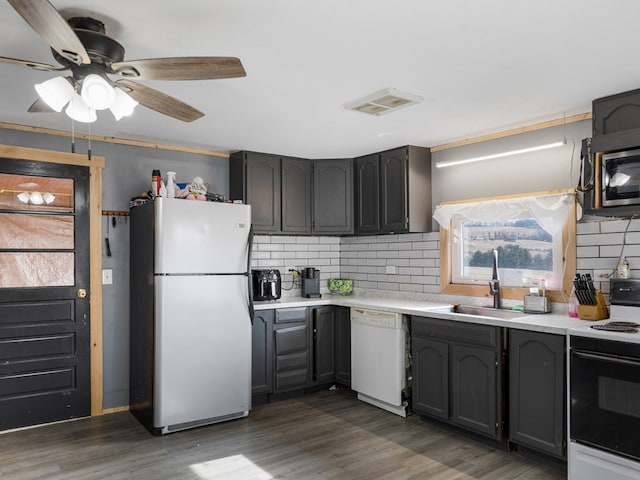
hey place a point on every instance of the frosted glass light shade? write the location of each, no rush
(49, 198)
(80, 111)
(24, 197)
(122, 105)
(96, 92)
(36, 198)
(55, 92)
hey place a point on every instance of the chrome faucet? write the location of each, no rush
(494, 284)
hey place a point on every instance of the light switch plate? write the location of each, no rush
(107, 276)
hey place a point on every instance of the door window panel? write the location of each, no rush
(24, 231)
(36, 269)
(25, 192)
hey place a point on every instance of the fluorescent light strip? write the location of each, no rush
(501, 155)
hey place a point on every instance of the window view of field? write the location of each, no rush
(523, 247)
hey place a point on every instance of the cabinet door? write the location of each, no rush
(323, 356)
(474, 389)
(333, 196)
(537, 391)
(430, 388)
(367, 170)
(291, 345)
(393, 191)
(296, 195)
(616, 113)
(263, 191)
(343, 345)
(262, 353)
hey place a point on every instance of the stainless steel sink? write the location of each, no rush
(485, 312)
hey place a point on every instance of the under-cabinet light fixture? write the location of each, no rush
(510, 153)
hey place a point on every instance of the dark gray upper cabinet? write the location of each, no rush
(537, 396)
(616, 113)
(262, 353)
(296, 195)
(333, 196)
(255, 178)
(367, 194)
(398, 191)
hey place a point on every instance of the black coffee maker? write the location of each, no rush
(311, 283)
(267, 285)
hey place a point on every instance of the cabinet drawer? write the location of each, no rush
(284, 315)
(291, 380)
(291, 339)
(460, 332)
(292, 361)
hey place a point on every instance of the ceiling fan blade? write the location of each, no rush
(39, 106)
(49, 24)
(181, 68)
(158, 101)
(26, 63)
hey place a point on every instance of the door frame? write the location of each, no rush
(95, 164)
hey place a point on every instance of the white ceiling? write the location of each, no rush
(481, 66)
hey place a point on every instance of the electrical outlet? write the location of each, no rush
(391, 269)
(107, 276)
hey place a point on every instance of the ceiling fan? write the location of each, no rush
(81, 45)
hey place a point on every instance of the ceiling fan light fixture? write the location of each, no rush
(96, 92)
(80, 111)
(55, 92)
(122, 105)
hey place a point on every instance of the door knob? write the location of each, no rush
(81, 293)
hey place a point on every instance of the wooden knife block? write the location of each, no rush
(599, 311)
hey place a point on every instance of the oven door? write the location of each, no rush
(605, 395)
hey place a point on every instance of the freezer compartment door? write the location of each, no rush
(201, 237)
(202, 349)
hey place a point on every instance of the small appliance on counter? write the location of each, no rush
(311, 283)
(267, 285)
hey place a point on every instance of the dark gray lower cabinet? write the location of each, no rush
(458, 373)
(262, 353)
(474, 402)
(291, 350)
(537, 395)
(323, 345)
(343, 345)
(431, 376)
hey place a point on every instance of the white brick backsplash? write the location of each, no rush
(588, 227)
(416, 256)
(599, 239)
(592, 251)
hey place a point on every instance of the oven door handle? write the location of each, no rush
(607, 358)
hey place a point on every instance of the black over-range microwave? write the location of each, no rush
(620, 178)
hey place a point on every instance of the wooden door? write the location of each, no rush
(333, 196)
(44, 283)
(430, 376)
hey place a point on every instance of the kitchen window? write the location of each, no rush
(534, 235)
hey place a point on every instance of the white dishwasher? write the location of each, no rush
(378, 346)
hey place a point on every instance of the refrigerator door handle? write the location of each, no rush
(249, 276)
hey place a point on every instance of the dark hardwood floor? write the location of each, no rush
(323, 435)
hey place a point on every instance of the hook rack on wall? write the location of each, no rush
(115, 213)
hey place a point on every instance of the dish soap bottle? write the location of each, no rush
(623, 268)
(573, 304)
(171, 184)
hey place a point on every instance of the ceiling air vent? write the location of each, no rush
(384, 101)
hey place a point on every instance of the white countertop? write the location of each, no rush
(546, 323)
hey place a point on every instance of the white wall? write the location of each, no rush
(551, 169)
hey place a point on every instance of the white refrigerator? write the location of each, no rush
(198, 343)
